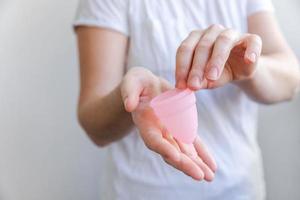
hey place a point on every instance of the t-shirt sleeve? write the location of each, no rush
(254, 6)
(111, 14)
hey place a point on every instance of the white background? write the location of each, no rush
(43, 152)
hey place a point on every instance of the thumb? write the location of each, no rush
(131, 89)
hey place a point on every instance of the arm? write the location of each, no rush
(260, 62)
(277, 77)
(100, 109)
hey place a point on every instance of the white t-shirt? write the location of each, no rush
(227, 117)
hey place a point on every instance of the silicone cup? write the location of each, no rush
(176, 109)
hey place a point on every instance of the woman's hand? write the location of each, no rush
(216, 56)
(138, 87)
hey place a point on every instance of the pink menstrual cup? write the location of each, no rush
(176, 109)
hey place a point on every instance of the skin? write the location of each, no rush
(213, 57)
(112, 102)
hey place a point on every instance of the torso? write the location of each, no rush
(227, 118)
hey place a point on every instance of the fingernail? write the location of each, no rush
(212, 74)
(195, 82)
(252, 57)
(201, 175)
(209, 176)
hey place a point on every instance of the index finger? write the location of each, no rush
(184, 58)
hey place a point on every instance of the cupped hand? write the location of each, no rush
(213, 57)
(138, 87)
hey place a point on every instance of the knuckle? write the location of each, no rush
(229, 35)
(194, 32)
(184, 48)
(205, 43)
(216, 27)
(191, 155)
(226, 37)
(196, 70)
(219, 58)
(256, 38)
(135, 72)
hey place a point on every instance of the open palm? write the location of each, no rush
(192, 159)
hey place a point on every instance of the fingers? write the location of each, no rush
(138, 80)
(184, 58)
(224, 43)
(209, 175)
(184, 164)
(204, 154)
(154, 140)
(159, 141)
(181, 156)
(187, 166)
(189, 150)
(201, 56)
(171, 155)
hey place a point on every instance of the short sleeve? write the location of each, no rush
(111, 14)
(254, 6)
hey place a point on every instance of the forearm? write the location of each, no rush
(104, 118)
(276, 79)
